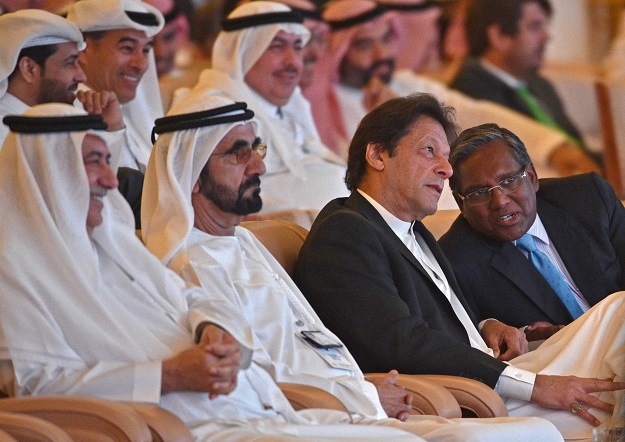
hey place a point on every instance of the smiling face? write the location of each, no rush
(414, 177)
(117, 61)
(371, 53)
(101, 177)
(276, 73)
(61, 75)
(505, 217)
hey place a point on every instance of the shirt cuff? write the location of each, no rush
(147, 382)
(480, 325)
(516, 383)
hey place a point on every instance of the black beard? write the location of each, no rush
(359, 77)
(224, 198)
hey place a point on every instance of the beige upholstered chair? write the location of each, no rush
(21, 427)
(284, 240)
(85, 418)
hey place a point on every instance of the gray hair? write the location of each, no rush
(477, 137)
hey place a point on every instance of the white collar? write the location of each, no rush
(504, 76)
(397, 225)
(537, 230)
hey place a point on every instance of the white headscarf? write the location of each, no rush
(167, 215)
(27, 28)
(54, 306)
(140, 113)
(234, 54)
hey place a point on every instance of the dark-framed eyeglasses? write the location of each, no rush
(485, 195)
(243, 154)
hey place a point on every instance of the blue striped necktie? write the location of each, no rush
(551, 273)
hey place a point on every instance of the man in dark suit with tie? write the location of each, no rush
(507, 41)
(578, 222)
(378, 279)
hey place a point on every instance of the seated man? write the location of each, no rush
(371, 256)
(258, 59)
(585, 241)
(87, 310)
(507, 42)
(359, 73)
(119, 58)
(40, 65)
(203, 178)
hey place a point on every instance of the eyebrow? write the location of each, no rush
(127, 39)
(236, 146)
(96, 154)
(498, 179)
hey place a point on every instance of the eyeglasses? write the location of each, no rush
(484, 195)
(243, 154)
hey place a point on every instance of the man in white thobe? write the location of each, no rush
(260, 62)
(38, 64)
(203, 177)
(87, 310)
(119, 58)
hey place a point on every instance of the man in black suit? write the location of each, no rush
(578, 221)
(379, 280)
(507, 41)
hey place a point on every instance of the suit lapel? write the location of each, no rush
(445, 266)
(508, 260)
(357, 202)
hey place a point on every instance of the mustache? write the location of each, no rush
(98, 191)
(290, 70)
(253, 181)
(388, 62)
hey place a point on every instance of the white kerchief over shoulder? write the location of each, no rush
(61, 314)
(103, 15)
(175, 165)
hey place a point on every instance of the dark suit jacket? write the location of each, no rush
(474, 80)
(586, 223)
(369, 289)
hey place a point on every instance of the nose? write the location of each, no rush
(498, 198)
(79, 76)
(294, 57)
(382, 51)
(140, 61)
(255, 166)
(444, 168)
(108, 178)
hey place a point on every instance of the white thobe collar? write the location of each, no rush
(508, 79)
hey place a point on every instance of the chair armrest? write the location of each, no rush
(475, 398)
(84, 418)
(306, 396)
(429, 397)
(164, 425)
(24, 427)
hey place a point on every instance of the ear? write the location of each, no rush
(458, 201)
(498, 40)
(196, 187)
(29, 70)
(374, 157)
(531, 171)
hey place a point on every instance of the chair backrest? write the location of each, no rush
(283, 239)
(611, 98)
(23, 427)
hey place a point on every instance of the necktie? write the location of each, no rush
(551, 273)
